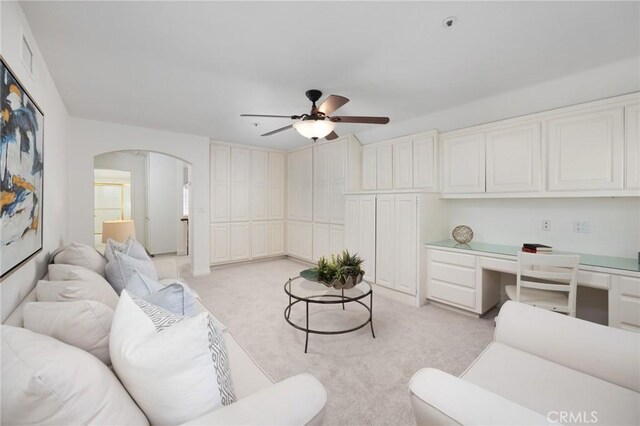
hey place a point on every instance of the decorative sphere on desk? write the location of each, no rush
(462, 234)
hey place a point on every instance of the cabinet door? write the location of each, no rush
(369, 168)
(293, 186)
(586, 151)
(259, 182)
(305, 239)
(219, 243)
(321, 204)
(403, 165)
(276, 238)
(513, 159)
(632, 145)
(220, 175)
(384, 167)
(385, 240)
(351, 223)
(259, 239)
(321, 238)
(367, 235)
(406, 262)
(424, 162)
(336, 239)
(240, 241)
(276, 186)
(463, 164)
(624, 303)
(293, 248)
(338, 152)
(240, 184)
(305, 176)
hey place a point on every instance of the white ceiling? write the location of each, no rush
(194, 67)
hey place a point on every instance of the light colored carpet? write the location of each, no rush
(366, 378)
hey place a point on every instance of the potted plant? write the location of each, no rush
(341, 272)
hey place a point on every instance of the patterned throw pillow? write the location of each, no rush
(176, 368)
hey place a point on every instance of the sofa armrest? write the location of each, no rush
(298, 400)
(166, 267)
(438, 398)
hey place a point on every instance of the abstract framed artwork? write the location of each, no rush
(21, 173)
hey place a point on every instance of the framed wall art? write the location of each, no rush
(21, 173)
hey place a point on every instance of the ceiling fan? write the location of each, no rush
(319, 123)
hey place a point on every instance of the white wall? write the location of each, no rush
(89, 138)
(136, 164)
(55, 204)
(614, 223)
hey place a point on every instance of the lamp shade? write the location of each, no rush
(314, 129)
(118, 230)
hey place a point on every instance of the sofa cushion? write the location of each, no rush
(45, 381)
(60, 271)
(122, 267)
(131, 247)
(175, 368)
(77, 289)
(548, 388)
(175, 297)
(81, 255)
(84, 324)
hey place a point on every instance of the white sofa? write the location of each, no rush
(298, 400)
(541, 368)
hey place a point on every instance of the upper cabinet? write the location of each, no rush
(403, 165)
(384, 167)
(513, 159)
(586, 150)
(463, 163)
(632, 146)
(424, 161)
(369, 167)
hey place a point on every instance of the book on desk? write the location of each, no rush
(536, 248)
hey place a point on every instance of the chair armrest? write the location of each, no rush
(166, 267)
(438, 398)
(298, 400)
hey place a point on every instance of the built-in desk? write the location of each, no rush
(464, 276)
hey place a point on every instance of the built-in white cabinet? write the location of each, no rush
(403, 164)
(624, 303)
(220, 186)
(586, 150)
(369, 167)
(321, 185)
(632, 146)
(425, 161)
(385, 240)
(240, 184)
(513, 159)
(327, 240)
(384, 167)
(360, 231)
(463, 163)
(247, 195)
(299, 185)
(300, 239)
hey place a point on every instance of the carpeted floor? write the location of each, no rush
(366, 378)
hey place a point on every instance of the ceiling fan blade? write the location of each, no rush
(332, 103)
(278, 130)
(293, 117)
(357, 119)
(331, 136)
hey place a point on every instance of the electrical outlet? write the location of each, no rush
(546, 225)
(581, 227)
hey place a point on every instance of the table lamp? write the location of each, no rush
(118, 230)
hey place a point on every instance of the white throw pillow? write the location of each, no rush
(85, 324)
(45, 381)
(82, 255)
(122, 267)
(175, 368)
(60, 271)
(131, 247)
(175, 297)
(66, 291)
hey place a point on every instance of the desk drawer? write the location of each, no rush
(594, 279)
(452, 274)
(451, 293)
(452, 258)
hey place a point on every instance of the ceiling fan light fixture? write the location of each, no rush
(314, 129)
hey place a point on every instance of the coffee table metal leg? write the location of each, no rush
(371, 315)
(343, 299)
(306, 341)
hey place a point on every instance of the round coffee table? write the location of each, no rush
(301, 290)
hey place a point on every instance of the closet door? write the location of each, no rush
(384, 167)
(305, 240)
(305, 176)
(338, 153)
(367, 235)
(406, 243)
(336, 239)
(259, 183)
(259, 239)
(240, 184)
(321, 238)
(276, 186)
(220, 175)
(276, 238)
(219, 243)
(293, 186)
(321, 205)
(351, 227)
(240, 241)
(385, 240)
(369, 167)
(403, 165)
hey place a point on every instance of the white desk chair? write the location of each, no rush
(548, 281)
